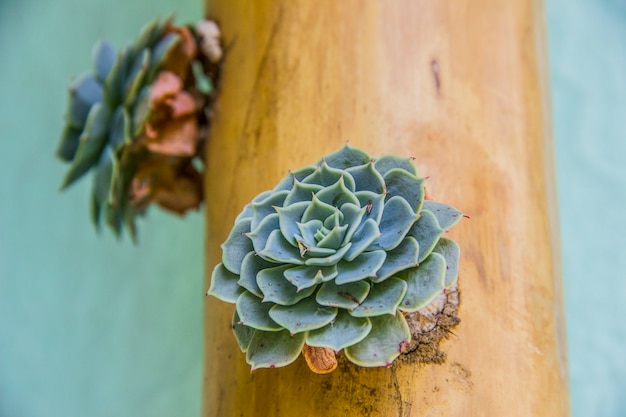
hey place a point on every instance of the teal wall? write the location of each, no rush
(89, 326)
(587, 40)
(94, 327)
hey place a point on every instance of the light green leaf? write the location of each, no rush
(261, 234)
(304, 316)
(326, 176)
(427, 232)
(373, 203)
(224, 285)
(424, 283)
(451, 251)
(266, 207)
(352, 216)
(307, 276)
(402, 257)
(388, 162)
(337, 194)
(274, 349)
(383, 298)
(363, 266)
(447, 216)
(288, 219)
(347, 296)
(277, 249)
(90, 145)
(103, 56)
(402, 184)
(68, 143)
(136, 77)
(346, 157)
(366, 178)
(243, 334)
(250, 267)
(398, 217)
(388, 338)
(254, 313)
(362, 239)
(317, 210)
(342, 332)
(288, 181)
(236, 246)
(334, 238)
(277, 289)
(301, 192)
(85, 91)
(331, 259)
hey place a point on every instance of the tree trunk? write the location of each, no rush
(459, 85)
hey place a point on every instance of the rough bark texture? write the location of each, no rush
(460, 85)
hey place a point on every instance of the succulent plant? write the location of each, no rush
(138, 119)
(333, 258)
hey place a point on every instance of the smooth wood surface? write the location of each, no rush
(459, 85)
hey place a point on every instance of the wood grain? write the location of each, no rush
(461, 86)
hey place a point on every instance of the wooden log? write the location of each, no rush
(461, 86)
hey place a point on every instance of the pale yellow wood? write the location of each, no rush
(460, 85)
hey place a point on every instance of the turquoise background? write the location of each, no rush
(94, 327)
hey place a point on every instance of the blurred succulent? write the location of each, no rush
(139, 119)
(333, 258)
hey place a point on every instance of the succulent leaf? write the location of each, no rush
(224, 285)
(424, 283)
(447, 216)
(404, 256)
(303, 316)
(307, 276)
(398, 217)
(90, 145)
(326, 176)
(102, 181)
(301, 192)
(236, 247)
(85, 91)
(346, 296)
(277, 289)
(367, 178)
(389, 162)
(347, 157)
(401, 183)
(363, 266)
(261, 234)
(383, 298)
(451, 251)
(254, 313)
(243, 334)
(384, 343)
(337, 194)
(279, 250)
(252, 264)
(68, 143)
(274, 349)
(103, 56)
(263, 208)
(427, 232)
(342, 332)
(288, 181)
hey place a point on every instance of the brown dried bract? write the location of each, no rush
(320, 360)
(171, 182)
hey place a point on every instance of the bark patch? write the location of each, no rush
(429, 327)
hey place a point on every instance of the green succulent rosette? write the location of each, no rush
(335, 256)
(137, 121)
